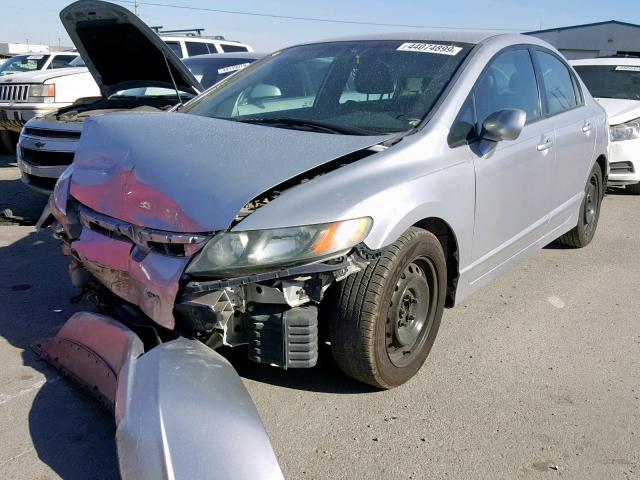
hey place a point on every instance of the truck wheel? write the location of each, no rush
(582, 234)
(384, 319)
(9, 140)
(635, 188)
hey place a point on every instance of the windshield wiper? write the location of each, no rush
(299, 124)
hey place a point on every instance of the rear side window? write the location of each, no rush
(557, 84)
(509, 82)
(175, 46)
(232, 48)
(61, 61)
(196, 48)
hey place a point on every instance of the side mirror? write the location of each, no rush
(504, 124)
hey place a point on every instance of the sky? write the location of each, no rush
(38, 21)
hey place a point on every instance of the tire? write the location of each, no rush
(582, 234)
(384, 319)
(634, 189)
(9, 140)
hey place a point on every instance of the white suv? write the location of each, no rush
(191, 45)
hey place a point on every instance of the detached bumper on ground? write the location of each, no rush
(181, 409)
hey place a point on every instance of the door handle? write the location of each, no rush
(587, 127)
(545, 146)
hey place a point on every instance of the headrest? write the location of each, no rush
(373, 76)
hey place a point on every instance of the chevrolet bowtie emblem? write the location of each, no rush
(39, 144)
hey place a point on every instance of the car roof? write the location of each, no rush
(239, 55)
(193, 38)
(461, 36)
(606, 61)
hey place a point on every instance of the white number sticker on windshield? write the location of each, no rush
(35, 57)
(627, 68)
(233, 68)
(429, 48)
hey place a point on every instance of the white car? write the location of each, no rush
(615, 84)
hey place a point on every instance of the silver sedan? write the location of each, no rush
(351, 188)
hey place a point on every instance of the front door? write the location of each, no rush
(513, 184)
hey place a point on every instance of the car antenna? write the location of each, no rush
(175, 85)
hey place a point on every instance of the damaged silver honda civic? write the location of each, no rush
(344, 191)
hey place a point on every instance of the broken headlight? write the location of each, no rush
(238, 253)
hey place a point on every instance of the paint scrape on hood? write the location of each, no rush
(186, 173)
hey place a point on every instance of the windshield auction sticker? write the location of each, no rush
(429, 48)
(628, 68)
(233, 68)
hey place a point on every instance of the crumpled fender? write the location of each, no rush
(182, 411)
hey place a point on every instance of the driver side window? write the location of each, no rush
(509, 82)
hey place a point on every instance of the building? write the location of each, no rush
(602, 39)
(10, 49)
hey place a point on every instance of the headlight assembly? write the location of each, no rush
(625, 131)
(42, 93)
(238, 253)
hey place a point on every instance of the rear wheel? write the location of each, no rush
(582, 234)
(635, 188)
(383, 320)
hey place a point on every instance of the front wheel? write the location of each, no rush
(582, 234)
(383, 320)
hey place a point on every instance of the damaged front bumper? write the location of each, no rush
(181, 410)
(274, 313)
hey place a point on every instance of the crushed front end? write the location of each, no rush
(261, 289)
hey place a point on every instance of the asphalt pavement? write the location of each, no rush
(535, 377)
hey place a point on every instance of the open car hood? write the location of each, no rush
(186, 173)
(121, 51)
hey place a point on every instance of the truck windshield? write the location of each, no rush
(23, 63)
(611, 81)
(348, 87)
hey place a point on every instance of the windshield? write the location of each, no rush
(611, 81)
(23, 63)
(168, 94)
(209, 71)
(357, 87)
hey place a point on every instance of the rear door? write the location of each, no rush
(575, 131)
(513, 183)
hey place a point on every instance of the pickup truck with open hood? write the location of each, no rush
(149, 77)
(98, 29)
